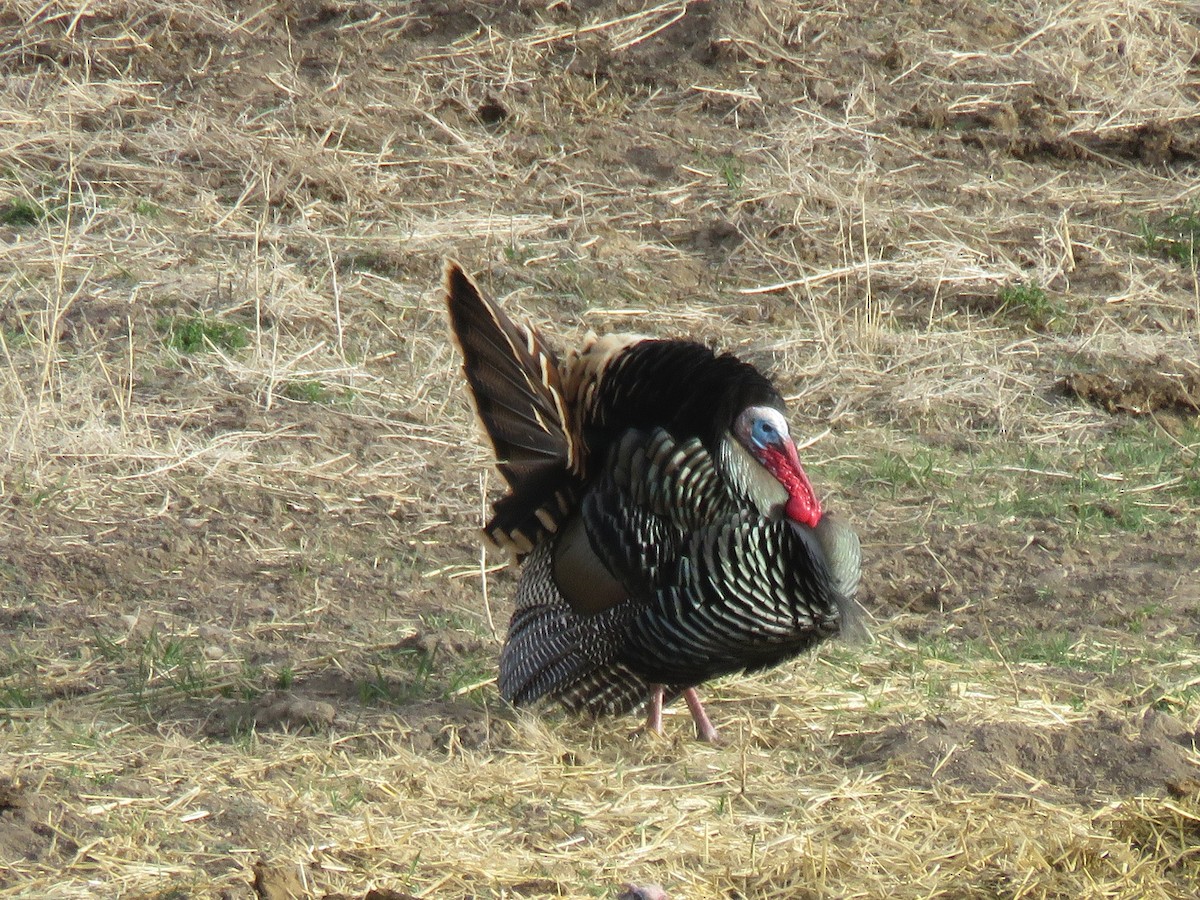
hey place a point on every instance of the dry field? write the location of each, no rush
(246, 646)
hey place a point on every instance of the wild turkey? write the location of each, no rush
(667, 530)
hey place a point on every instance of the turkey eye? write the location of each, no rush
(764, 432)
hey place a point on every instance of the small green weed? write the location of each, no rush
(470, 673)
(315, 393)
(520, 255)
(343, 801)
(1176, 237)
(414, 681)
(728, 167)
(1087, 503)
(732, 171)
(21, 213)
(250, 684)
(194, 334)
(157, 669)
(410, 674)
(12, 338)
(148, 209)
(14, 696)
(1132, 478)
(1058, 649)
(1190, 486)
(1136, 623)
(1179, 702)
(454, 621)
(286, 678)
(920, 470)
(943, 649)
(243, 735)
(52, 204)
(45, 496)
(1048, 648)
(307, 392)
(171, 665)
(377, 689)
(1030, 303)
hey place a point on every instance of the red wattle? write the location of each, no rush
(805, 510)
(803, 505)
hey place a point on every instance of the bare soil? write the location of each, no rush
(1077, 763)
(244, 645)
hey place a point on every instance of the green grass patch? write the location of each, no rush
(517, 255)
(728, 167)
(345, 800)
(51, 205)
(14, 338)
(197, 334)
(921, 470)
(732, 171)
(455, 621)
(1136, 623)
(21, 213)
(158, 670)
(1131, 478)
(407, 678)
(307, 392)
(897, 474)
(170, 664)
(1056, 649)
(1179, 702)
(958, 652)
(1032, 305)
(316, 392)
(147, 209)
(286, 678)
(410, 674)
(1175, 236)
(19, 696)
(1044, 648)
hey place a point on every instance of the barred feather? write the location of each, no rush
(750, 593)
(552, 652)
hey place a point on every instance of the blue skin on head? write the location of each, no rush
(763, 433)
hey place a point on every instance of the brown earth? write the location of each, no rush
(1076, 763)
(200, 559)
(1145, 390)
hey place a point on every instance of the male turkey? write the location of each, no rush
(667, 530)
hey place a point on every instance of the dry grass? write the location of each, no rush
(841, 191)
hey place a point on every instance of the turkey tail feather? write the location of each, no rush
(518, 396)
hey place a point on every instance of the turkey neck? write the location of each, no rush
(749, 479)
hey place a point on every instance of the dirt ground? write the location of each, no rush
(246, 649)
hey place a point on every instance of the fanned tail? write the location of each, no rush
(516, 387)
